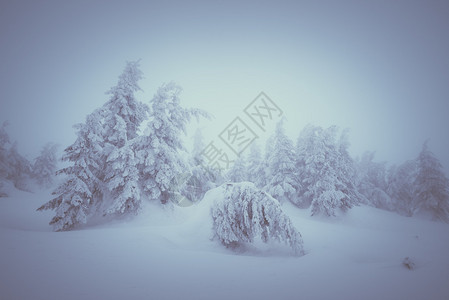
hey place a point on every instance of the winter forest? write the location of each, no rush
(128, 152)
(224, 150)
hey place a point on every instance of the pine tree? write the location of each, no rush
(401, 187)
(283, 183)
(104, 176)
(246, 213)
(255, 165)
(44, 167)
(123, 116)
(432, 186)
(80, 194)
(19, 168)
(326, 171)
(159, 150)
(203, 178)
(372, 182)
(238, 173)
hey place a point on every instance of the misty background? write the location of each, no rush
(379, 67)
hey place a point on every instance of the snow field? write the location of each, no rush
(168, 254)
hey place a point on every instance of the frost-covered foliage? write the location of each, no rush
(81, 191)
(246, 213)
(44, 167)
(124, 114)
(122, 181)
(283, 182)
(257, 167)
(19, 168)
(326, 171)
(159, 150)
(401, 187)
(103, 176)
(238, 171)
(203, 178)
(432, 186)
(114, 167)
(372, 182)
(13, 166)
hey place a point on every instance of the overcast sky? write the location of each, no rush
(380, 68)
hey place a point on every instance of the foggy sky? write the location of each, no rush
(380, 68)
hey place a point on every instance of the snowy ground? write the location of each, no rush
(168, 254)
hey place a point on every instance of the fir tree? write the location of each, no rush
(238, 173)
(326, 171)
(44, 167)
(203, 178)
(19, 168)
(159, 150)
(432, 186)
(123, 116)
(283, 184)
(372, 182)
(256, 166)
(401, 187)
(79, 195)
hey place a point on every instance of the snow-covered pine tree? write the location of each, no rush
(238, 171)
(255, 166)
(265, 175)
(246, 213)
(283, 183)
(78, 196)
(325, 171)
(432, 186)
(401, 187)
(44, 167)
(123, 116)
(347, 173)
(159, 149)
(19, 168)
(372, 182)
(202, 178)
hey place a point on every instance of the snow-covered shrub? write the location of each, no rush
(246, 213)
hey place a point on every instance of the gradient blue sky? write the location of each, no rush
(380, 68)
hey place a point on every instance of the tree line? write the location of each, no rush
(127, 152)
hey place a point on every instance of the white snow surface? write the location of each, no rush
(169, 254)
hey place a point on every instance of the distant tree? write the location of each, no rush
(202, 178)
(159, 150)
(246, 213)
(283, 183)
(432, 186)
(19, 168)
(256, 172)
(44, 167)
(326, 171)
(238, 171)
(372, 182)
(401, 187)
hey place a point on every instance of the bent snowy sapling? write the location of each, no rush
(246, 213)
